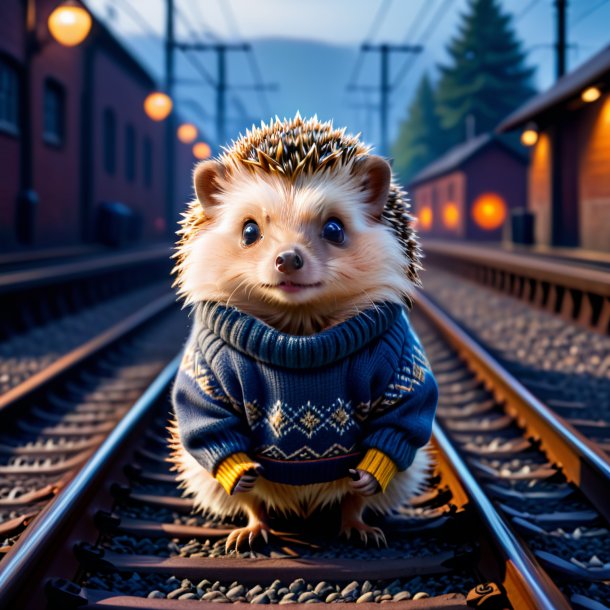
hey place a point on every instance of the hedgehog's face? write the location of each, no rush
(285, 250)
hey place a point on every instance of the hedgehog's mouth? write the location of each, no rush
(288, 286)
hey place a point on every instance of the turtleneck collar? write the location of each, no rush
(253, 337)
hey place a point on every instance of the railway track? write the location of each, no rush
(138, 545)
(578, 290)
(52, 310)
(460, 544)
(550, 483)
(516, 514)
(563, 365)
(74, 370)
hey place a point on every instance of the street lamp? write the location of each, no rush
(187, 133)
(591, 94)
(201, 150)
(158, 105)
(69, 24)
(529, 137)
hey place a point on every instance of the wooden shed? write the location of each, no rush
(569, 176)
(468, 193)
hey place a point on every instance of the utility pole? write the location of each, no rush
(561, 38)
(562, 232)
(27, 199)
(170, 124)
(221, 49)
(385, 88)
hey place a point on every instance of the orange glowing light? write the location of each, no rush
(201, 150)
(187, 133)
(158, 105)
(489, 211)
(529, 137)
(69, 24)
(425, 218)
(451, 216)
(591, 94)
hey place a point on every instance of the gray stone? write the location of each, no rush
(421, 595)
(176, 593)
(402, 596)
(297, 586)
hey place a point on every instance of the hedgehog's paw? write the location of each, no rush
(251, 532)
(367, 533)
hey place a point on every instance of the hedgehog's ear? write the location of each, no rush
(375, 175)
(208, 177)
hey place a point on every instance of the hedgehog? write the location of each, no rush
(303, 384)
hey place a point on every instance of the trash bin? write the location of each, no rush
(522, 227)
(117, 224)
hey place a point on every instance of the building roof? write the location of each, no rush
(123, 56)
(567, 87)
(461, 153)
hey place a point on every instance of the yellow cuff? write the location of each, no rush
(231, 469)
(379, 465)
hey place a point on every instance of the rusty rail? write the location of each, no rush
(582, 462)
(576, 292)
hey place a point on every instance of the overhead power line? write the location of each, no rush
(229, 16)
(526, 9)
(434, 22)
(588, 12)
(375, 25)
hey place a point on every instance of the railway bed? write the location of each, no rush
(565, 366)
(122, 536)
(538, 477)
(576, 290)
(516, 513)
(61, 424)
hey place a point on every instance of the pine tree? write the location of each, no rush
(487, 76)
(419, 140)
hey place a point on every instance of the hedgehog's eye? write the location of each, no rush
(333, 231)
(250, 234)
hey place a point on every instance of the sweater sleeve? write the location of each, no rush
(211, 426)
(401, 422)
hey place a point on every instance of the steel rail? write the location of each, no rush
(568, 275)
(527, 584)
(16, 281)
(85, 351)
(582, 462)
(36, 543)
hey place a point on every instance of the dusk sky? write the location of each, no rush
(316, 82)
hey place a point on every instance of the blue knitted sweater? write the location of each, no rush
(306, 407)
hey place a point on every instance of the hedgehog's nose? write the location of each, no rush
(289, 261)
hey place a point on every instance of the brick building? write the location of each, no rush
(569, 173)
(468, 193)
(91, 141)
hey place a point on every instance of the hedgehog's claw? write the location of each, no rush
(364, 531)
(250, 533)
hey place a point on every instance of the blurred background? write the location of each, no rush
(496, 113)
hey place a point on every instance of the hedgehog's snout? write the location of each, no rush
(289, 261)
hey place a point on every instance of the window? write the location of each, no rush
(9, 97)
(451, 191)
(109, 136)
(54, 113)
(130, 153)
(148, 161)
